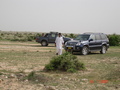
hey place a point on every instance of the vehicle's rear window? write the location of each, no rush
(103, 36)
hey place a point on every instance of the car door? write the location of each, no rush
(98, 42)
(92, 42)
(52, 37)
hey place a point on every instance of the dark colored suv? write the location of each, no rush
(50, 38)
(88, 42)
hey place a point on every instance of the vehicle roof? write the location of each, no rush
(88, 33)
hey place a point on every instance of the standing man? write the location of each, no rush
(59, 42)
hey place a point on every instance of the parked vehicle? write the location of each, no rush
(49, 38)
(88, 42)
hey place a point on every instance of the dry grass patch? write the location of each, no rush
(23, 58)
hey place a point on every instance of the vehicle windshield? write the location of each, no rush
(82, 37)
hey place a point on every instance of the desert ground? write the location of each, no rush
(18, 60)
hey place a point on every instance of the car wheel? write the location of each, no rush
(103, 50)
(85, 50)
(44, 43)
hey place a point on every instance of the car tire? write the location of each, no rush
(44, 43)
(103, 49)
(85, 50)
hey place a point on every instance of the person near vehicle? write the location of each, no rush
(59, 42)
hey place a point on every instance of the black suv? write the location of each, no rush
(88, 42)
(49, 38)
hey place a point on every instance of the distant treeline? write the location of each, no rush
(31, 36)
(114, 39)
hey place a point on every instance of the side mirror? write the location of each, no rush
(90, 40)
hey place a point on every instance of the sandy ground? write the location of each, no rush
(23, 47)
(10, 81)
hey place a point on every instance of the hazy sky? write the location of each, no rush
(66, 16)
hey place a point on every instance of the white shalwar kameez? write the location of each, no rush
(59, 42)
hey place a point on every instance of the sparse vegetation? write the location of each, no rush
(71, 35)
(24, 36)
(114, 75)
(38, 78)
(18, 36)
(26, 57)
(31, 76)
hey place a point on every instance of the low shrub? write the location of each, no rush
(31, 76)
(37, 78)
(65, 62)
(72, 35)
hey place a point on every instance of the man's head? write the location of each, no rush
(59, 35)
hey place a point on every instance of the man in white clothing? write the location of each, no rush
(59, 42)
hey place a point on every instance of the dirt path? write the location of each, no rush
(18, 46)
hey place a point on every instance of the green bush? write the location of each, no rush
(72, 35)
(30, 38)
(65, 62)
(38, 35)
(114, 40)
(31, 76)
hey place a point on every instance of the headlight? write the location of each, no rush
(78, 43)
